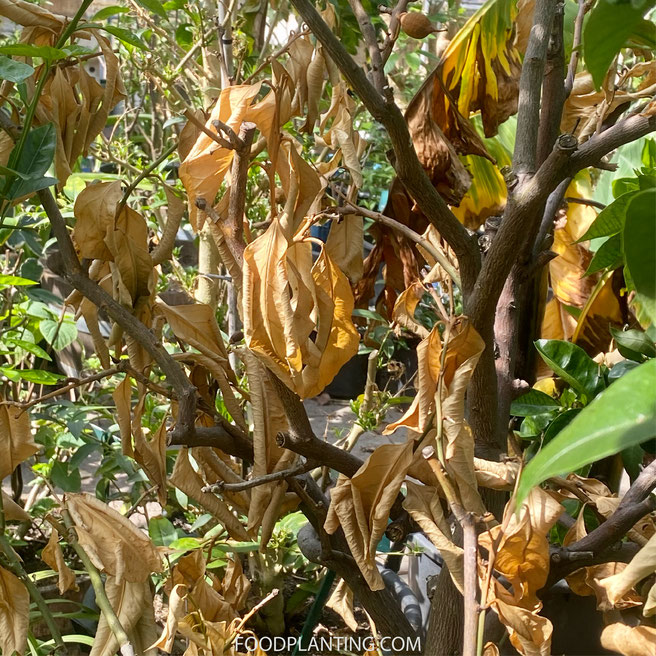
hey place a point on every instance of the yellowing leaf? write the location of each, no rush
(360, 505)
(529, 633)
(14, 512)
(52, 555)
(16, 441)
(30, 15)
(114, 544)
(405, 306)
(151, 455)
(176, 612)
(14, 613)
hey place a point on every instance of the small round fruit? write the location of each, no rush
(417, 25)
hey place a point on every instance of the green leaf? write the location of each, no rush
(106, 12)
(638, 240)
(559, 423)
(368, 314)
(154, 6)
(621, 416)
(161, 531)
(58, 336)
(608, 28)
(632, 343)
(534, 402)
(14, 281)
(31, 185)
(64, 478)
(29, 347)
(14, 71)
(125, 35)
(35, 158)
(607, 256)
(610, 220)
(25, 50)
(573, 365)
(39, 376)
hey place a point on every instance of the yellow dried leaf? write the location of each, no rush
(529, 633)
(523, 549)
(191, 572)
(186, 479)
(114, 544)
(360, 505)
(133, 604)
(16, 441)
(14, 512)
(196, 325)
(122, 396)
(344, 246)
(30, 15)
(297, 315)
(341, 601)
(423, 504)
(405, 306)
(52, 555)
(207, 163)
(235, 586)
(643, 564)
(496, 475)
(14, 613)
(629, 640)
(151, 455)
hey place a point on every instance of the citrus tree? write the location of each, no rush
(516, 243)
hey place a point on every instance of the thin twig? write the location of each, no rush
(585, 201)
(576, 45)
(261, 480)
(349, 208)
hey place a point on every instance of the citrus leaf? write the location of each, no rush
(573, 365)
(14, 71)
(621, 416)
(610, 220)
(534, 402)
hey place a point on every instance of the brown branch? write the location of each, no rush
(530, 83)
(576, 45)
(599, 543)
(394, 28)
(350, 208)
(261, 480)
(585, 201)
(369, 35)
(184, 390)
(553, 89)
(407, 164)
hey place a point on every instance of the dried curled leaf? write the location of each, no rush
(424, 506)
(341, 601)
(529, 632)
(133, 604)
(30, 15)
(629, 640)
(14, 512)
(176, 611)
(52, 555)
(297, 315)
(114, 544)
(642, 565)
(16, 441)
(360, 505)
(14, 613)
(190, 482)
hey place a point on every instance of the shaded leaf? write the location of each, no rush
(14, 613)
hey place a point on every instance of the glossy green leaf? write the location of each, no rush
(14, 71)
(31, 185)
(638, 243)
(608, 256)
(39, 376)
(126, 36)
(632, 343)
(607, 30)
(532, 403)
(610, 220)
(573, 365)
(161, 531)
(59, 336)
(34, 159)
(621, 416)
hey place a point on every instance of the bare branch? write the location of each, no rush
(407, 165)
(530, 83)
(261, 480)
(576, 45)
